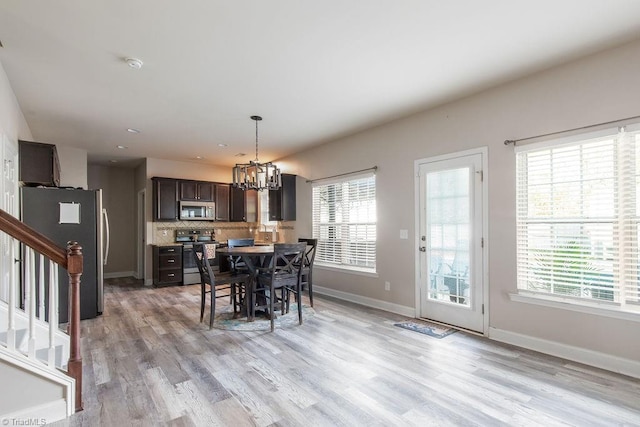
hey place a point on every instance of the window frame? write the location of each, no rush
(625, 306)
(345, 226)
(263, 220)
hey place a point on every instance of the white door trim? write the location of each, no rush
(9, 193)
(484, 151)
(140, 239)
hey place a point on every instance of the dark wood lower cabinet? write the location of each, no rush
(167, 265)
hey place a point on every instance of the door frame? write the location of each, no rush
(9, 152)
(140, 239)
(484, 152)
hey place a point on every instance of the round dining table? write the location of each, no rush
(254, 257)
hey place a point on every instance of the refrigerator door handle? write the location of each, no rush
(106, 226)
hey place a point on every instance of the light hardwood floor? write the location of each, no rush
(149, 361)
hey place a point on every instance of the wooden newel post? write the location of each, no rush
(74, 268)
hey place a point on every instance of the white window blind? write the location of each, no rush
(344, 222)
(578, 207)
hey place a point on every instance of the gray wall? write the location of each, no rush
(73, 166)
(118, 197)
(12, 121)
(593, 90)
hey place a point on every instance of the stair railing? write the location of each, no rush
(71, 260)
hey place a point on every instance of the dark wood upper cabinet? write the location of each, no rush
(165, 199)
(206, 191)
(39, 163)
(222, 202)
(197, 190)
(232, 204)
(282, 202)
(188, 190)
(244, 205)
(237, 205)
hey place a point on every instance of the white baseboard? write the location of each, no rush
(578, 354)
(119, 274)
(366, 301)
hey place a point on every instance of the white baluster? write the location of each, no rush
(53, 311)
(32, 302)
(13, 284)
(6, 243)
(41, 288)
(27, 278)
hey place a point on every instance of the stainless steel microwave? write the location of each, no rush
(197, 211)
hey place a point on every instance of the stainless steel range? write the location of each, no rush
(190, 274)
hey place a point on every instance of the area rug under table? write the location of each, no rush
(432, 329)
(224, 319)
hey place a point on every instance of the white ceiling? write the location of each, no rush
(315, 70)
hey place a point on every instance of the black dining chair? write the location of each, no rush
(234, 243)
(236, 264)
(284, 275)
(307, 265)
(236, 284)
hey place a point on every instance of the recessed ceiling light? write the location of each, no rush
(134, 63)
(241, 154)
(223, 145)
(132, 130)
(113, 161)
(198, 157)
(122, 147)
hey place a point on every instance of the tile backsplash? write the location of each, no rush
(163, 233)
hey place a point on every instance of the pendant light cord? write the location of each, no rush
(256, 141)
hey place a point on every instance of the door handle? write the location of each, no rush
(423, 249)
(107, 236)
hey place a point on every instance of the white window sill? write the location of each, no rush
(348, 270)
(599, 309)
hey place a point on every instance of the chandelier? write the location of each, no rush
(255, 175)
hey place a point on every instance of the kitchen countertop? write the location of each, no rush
(263, 243)
(219, 242)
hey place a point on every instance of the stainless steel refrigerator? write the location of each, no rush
(63, 215)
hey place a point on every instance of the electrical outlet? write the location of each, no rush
(387, 286)
(164, 232)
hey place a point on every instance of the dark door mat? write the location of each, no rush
(432, 329)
